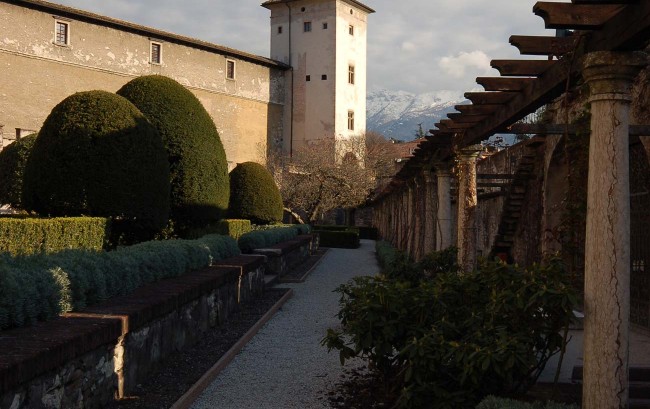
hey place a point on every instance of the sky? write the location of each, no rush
(418, 46)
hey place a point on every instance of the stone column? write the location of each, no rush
(410, 218)
(429, 244)
(607, 246)
(443, 219)
(467, 203)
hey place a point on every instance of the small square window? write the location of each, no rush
(62, 33)
(156, 53)
(350, 74)
(279, 29)
(351, 120)
(308, 78)
(306, 26)
(351, 30)
(323, 77)
(230, 69)
(324, 26)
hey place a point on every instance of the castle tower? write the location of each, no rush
(324, 41)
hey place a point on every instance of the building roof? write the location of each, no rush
(352, 2)
(76, 14)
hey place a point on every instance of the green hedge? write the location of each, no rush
(234, 228)
(368, 233)
(338, 239)
(13, 159)
(492, 402)
(23, 236)
(254, 194)
(264, 238)
(39, 287)
(334, 227)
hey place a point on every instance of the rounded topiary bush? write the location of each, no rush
(97, 155)
(12, 167)
(254, 194)
(197, 160)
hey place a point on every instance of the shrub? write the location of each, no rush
(338, 239)
(22, 236)
(254, 194)
(234, 228)
(302, 228)
(39, 287)
(492, 402)
(456, 338)
(97, 155)
(198, 167)
(12, 167)
(264, 238)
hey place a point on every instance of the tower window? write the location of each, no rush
(307, 26)
(324, 26)
(62, 33)
(230, 69)
(308, 78)
(279, 29)
(156, 53)
(323, 77)
(350, 74)
(351, 30)
(351, 120)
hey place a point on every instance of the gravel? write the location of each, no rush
(284, 365)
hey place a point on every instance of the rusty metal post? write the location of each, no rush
(607, 246)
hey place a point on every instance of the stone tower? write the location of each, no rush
(324, 41)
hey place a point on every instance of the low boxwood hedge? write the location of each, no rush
(39, 287)
(258, 239)
(339, 239)
(234, 228)
(492, 402)
(29, 235)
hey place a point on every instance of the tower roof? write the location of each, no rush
(351, 2)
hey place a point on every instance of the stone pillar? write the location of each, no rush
(607, 246)
(467, 203)
(429, 243)
(410, 218)
(443, 219)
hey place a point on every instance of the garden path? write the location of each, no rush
(284, 365)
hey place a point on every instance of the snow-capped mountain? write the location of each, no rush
(396, 114)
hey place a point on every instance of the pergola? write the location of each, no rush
(602, 44)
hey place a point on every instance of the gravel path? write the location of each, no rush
(284, 365)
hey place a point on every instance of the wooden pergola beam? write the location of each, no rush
(541, 45)
(560, 129)
(456, 125)
(523, 68)
(504, 83)
(490, 98)
(476, 109)
(460, 118)
(575, 16)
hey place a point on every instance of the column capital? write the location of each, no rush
(610, 73)
(469, 153)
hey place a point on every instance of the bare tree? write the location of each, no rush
(329, 174)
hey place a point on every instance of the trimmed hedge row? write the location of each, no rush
(13, 159)
(39, 287)
(234, 228)
(492, 402)
(264, 238)
(339, 239)
(24, 236)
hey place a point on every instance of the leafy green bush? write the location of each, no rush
(338, 239)
(254, 194)
(302, 228)
(234, 228)
(13, 159)
(97, 155)
(265, 238)
(22, 236)
(397, 264)
(39, 287)
(454, 339)
(444, 261)
(492, 402)
(198, 167)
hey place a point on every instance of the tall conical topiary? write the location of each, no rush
(254, 194)
(13, 159)
(198, 167)
(97, 155)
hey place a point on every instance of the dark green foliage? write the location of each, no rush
(39, 287)
(254, 194)
(234, 228)
(368, 233)
(22, 236)
(492, 402)
(302, 228)
(198, 167)
(265, 238)
(335, 227)
(397, 265)
(454, 339)
(338, 239)
(443, 261)
(97, 155)
(13, 159)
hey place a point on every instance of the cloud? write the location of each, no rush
(457, 66)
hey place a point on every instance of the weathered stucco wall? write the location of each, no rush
(38, 74)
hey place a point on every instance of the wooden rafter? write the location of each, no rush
(476, 109)
(540, 45)
(456, 125)
(575, 16)
(524, 68)
(490, 98)
(503, 83)
(559, 129)
(460, 118)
